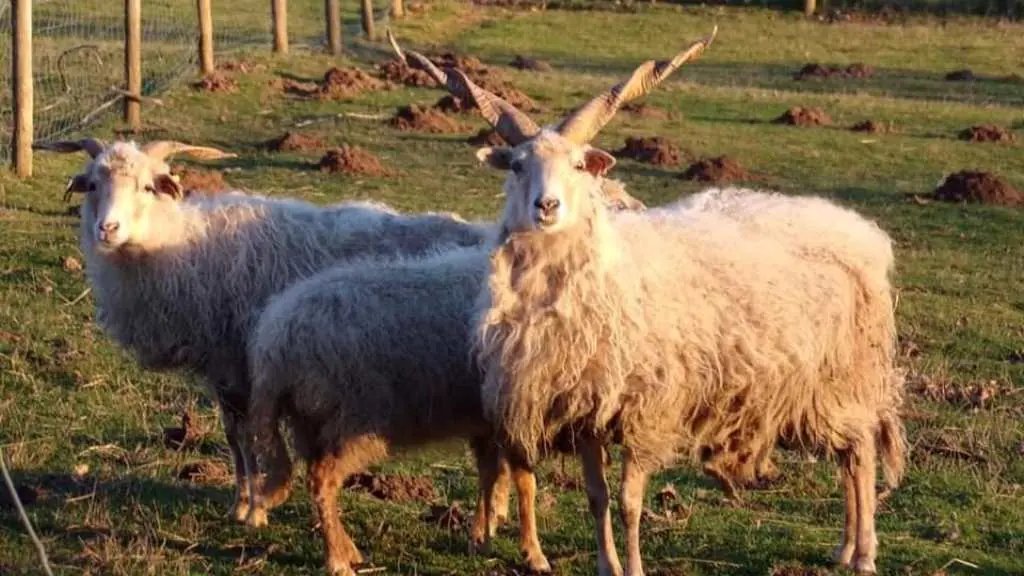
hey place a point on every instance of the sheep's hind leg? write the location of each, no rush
(529, 543)
(867, 540)
(233, 422)
(592, 456)
(843, 554)
(634, 481)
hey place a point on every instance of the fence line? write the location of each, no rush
(78, 46)
(79, 50)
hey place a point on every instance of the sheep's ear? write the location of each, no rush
(598, 162)
(78, 183)
(167, 184)
(500, 158)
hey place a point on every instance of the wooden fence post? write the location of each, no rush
(21, 70)
(205, 36)
(809, 6)
(332, 12)
(279, 13)
(397, 9)
(133, 63)
(367, 6)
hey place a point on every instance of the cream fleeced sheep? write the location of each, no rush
(180, 281)
(678, 336)
(368, 356)
(677, 332)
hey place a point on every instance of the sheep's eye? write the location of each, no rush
(581, 166)
(150, 188)
(516, 166)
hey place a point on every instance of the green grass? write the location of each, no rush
(70, 398)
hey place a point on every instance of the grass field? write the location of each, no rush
(82, 425)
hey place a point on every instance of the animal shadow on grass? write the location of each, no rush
(48, 498)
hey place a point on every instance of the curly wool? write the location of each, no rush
(191, 303)
(373, 348)
(733, 337)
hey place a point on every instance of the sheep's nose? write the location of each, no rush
(547, 204)
(110, 226)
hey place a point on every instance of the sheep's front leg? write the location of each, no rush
(634, 481)
(592, 456)
(529, 543)
(490, 469)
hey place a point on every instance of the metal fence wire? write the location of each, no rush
(78, 53)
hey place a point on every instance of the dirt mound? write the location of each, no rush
(420, 119)
(644, 110)
(872, 126)
(471, 65)
(336, 84)
(977, 187)
(217, 82)
(512, 95)
(800, 116)
(655, 150)
(987, 133)
(294, 142)
(815, 70)
(351, 160)
(964, 75)
(487, 137)
(522, 63)
(348, 82)
(399, 73)
(720, 169)
(397, 488)
(199, 180)
(205, 472)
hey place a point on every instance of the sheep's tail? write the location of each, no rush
(892, 435)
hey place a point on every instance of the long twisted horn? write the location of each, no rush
(93, 146)
(584, 123)
(161, 149)
(509, 122)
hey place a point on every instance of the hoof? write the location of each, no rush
(257, 518)
(864, 565)
(539, 564)
(239, 511)
(340, 569)
(843, 555)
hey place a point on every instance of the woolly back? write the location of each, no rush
(191, 302)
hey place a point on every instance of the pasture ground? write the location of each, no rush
(83, 427)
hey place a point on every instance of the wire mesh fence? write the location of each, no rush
(78, 53)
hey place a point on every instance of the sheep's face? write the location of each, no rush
(125, 190)
(552, 183)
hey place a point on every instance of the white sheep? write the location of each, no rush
(180, 281)
(368, 356)
(677, 332)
